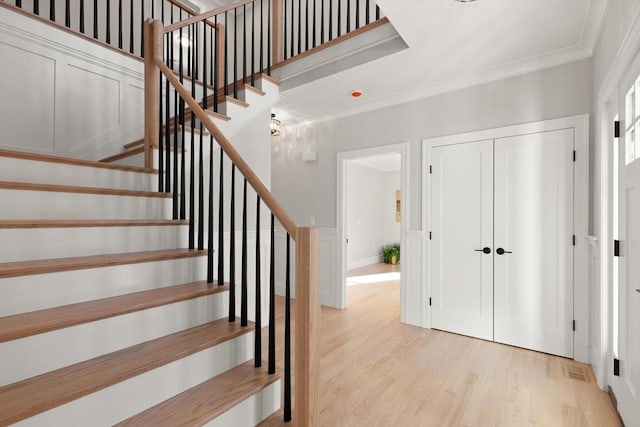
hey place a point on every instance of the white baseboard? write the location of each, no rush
(363, 262)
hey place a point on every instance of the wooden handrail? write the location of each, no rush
(228, 148)
(205, 15)
(183, 7)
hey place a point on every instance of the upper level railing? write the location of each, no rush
(288, 27)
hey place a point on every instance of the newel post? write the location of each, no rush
(307, 327)
(153, 55)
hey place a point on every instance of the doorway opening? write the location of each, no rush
(371, 221)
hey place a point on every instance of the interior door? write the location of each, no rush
(533, 241)
(462, 227)
(629, 261)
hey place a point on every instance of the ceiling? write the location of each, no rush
(453, 45)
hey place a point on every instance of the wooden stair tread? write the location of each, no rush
(207, 400)
(34, 395)
(86, 223)
(10, 185)
(232, 100)
(217, 115)
(22, 268)
(124, 154)
(196, 129)
(41, 321)
(70, 161)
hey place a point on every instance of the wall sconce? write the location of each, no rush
(275, 125)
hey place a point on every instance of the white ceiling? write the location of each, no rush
(384, 163)
(454, 45)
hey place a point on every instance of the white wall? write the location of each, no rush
(309, 189)
(365, 222)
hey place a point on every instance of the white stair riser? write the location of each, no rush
(37, 354)
(123, 400)
(21, 244)
(251, 411)
(231, 109)
(21, 204)
(22, 170)
(29, 293)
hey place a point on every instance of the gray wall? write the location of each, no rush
(309, 189)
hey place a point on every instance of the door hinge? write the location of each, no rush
(616, 367)
(574, 155)
(616, 248)
(430, 169)
(574, 325)
(616, 129)
(574, 240)
(429, 235)
(429, 301)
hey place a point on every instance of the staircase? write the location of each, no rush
(106, 318)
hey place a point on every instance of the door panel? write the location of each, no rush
(462, 219)
(534, 221)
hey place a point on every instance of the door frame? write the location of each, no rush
(341, 220)
(580, 126)
(602, 352)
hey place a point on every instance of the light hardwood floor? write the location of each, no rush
(376, 371)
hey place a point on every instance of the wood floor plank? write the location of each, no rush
(35, 395)
(70, 161)
(10, 185)
(86, 223)
(41, 321)
(207, 400)
(22, 268)
(377, 371)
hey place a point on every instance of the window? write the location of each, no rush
(632, 123)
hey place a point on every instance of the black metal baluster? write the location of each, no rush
(339, 24)
(119, 24)
(232, 247)
(189, 70)
(244, 321)
(292, 27)
(235, 56)
(244, 44)
(167, 160)
(141, 28)
(253, 41)
(52, 10)
(306, 25)
(82, 16)
(272, 301)
(257, 351)
(18, 3)
(268, 38)
(192, 169)
(108, 23)
(314, 24)
(67, 14)
(377, 12)
(330, 20)
(210, 221)
(226, 58)
(160, 142)
(153, 8)
(214, 43)
(221, 223)
(179, 122)
(201, 148)
(367, 12)
(95, 19)
(167, 135)
(322, 22)
(357, 14)
(284, 32)
(299, 27)
(348, 17)
(36, 7)
(287, 335)
(131, 26)
(262, 38)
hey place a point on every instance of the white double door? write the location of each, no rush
(502, 231)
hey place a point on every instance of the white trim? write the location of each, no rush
(363, 262)
(401, 148)
(580, 125)
(607, 95)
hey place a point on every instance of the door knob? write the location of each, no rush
(486, 250)
(501, 251)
